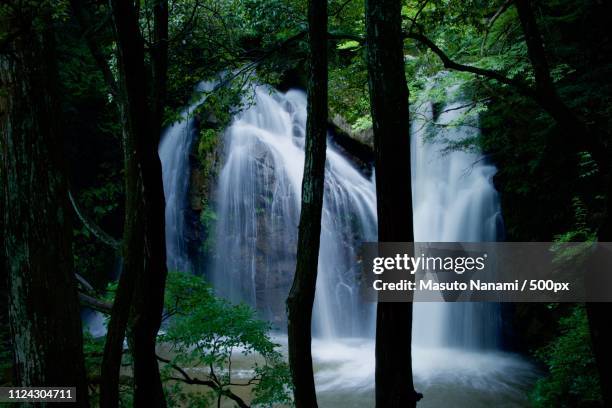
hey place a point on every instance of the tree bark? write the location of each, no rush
(301, 297)
(577, 135)
(574, 131)
(389, 106)
(159, 60)
(43, 305)
(599, 315)
(601, 338)
(140, 295)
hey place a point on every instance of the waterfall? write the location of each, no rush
(174, 150)
(257, 211)
(454, 200)
(258, 206)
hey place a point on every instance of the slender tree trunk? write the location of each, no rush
(159, 60)
(389, 105)
(43, 305)
(600, 314)
(148, 301)
(140, 294)
(301, 297)
(601, 338)
(577, 135)
(133, 254)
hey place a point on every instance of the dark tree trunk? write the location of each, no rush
(302, 294)
(577, 136)
(599, 316)
(148, 301)
(140, 296)
(133, 253)
(159, 60)
(43, 305)
(601, 338)
(389, 104)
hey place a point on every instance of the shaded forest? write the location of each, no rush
(99, 294)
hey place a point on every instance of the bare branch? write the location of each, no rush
(187, 379)
(94, 303)
(92, 227)
(88, 287)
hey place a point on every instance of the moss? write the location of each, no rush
(207, 166)
(208, 218)
(207, 145)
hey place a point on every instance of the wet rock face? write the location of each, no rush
(205, 164)
(245, 197)
(365, 137)
(358, 147)
(274, 257)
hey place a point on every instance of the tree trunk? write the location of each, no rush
(577, 136)
(159, 60)
(301, 297)
(599, 315)
(140, 293)
(389, 105)
(43, 305)
(601, 338)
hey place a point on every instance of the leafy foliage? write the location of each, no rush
(221, 347)
(572, 380)
(213, 335)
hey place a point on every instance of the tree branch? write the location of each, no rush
(345, 36)
(187, 25)
(487, 73)
(84, 282)
(340, 8)
(187, 379)
(92, 227)
(501, 10)
(94, 49)
(418, 13)
(94, 303)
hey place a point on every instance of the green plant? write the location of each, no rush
(208, 219)
(572, 376)
(206, 335)
(202, 340)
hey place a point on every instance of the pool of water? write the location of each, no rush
(344, 373)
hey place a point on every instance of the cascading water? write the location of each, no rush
(257, 211)
(174, 150)
(258, 204)
(454, 201)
